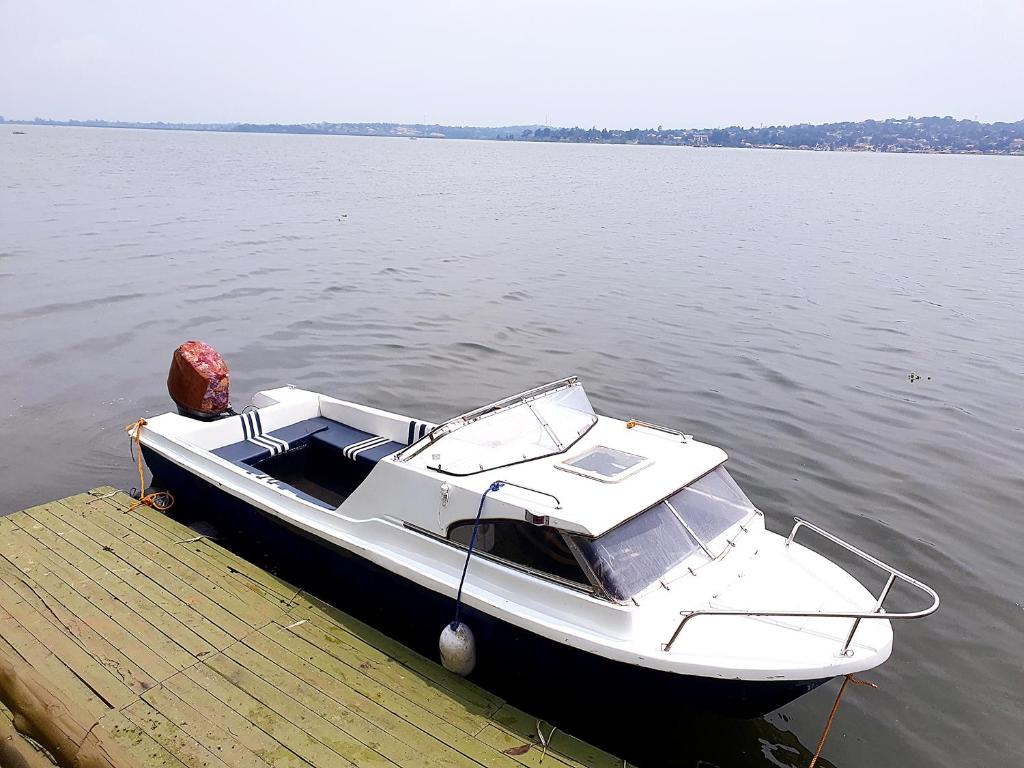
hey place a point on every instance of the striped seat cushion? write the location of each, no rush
(351, 443)
(354, 444)
(259, 445)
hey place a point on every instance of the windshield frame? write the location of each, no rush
(523, 399)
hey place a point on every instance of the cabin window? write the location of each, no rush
(536, 547)
(711, 505)
(637, 553)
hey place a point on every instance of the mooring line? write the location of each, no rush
(832, 714)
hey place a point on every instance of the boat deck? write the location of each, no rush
(182, 653)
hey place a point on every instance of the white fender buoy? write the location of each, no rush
(458, 648)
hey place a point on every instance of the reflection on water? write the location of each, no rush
(773, 303)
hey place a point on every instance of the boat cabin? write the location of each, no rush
(612, 506)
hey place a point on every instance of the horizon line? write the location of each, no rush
(658, 128)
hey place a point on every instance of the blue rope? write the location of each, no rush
(472, 542)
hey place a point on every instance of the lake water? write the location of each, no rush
(774, 303)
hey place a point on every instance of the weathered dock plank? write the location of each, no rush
(137, 742)
(123, 583)
(187, 655)
(166, 561)
(42, 641)
(100, 615)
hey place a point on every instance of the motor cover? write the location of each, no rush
(198, 381)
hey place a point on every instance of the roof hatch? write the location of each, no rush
(608, 465)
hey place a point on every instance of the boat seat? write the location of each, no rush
(245, 452)
(353, 444)
(259, 445)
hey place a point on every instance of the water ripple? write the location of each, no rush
(773, 303)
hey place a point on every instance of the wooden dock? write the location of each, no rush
(181, 653)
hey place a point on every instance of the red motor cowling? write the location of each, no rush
(198, 381)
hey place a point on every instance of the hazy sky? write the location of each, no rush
(609, 64)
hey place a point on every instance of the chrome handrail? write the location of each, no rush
(558, 503)
(858, 616)
(522, 397)
(658, 428)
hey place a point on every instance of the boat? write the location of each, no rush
(607, 551)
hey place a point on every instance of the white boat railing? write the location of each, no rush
(857, 616)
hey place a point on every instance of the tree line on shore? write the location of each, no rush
(935, 134)
(910, 134)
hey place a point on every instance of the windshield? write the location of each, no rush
(538, 423)
(632, 556)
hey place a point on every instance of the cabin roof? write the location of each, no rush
(582, 503)
(563, 465)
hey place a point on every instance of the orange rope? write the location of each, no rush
(161, 500)
(832, 714)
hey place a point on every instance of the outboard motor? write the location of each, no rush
(198, 382)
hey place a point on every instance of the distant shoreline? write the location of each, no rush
(926, 135)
